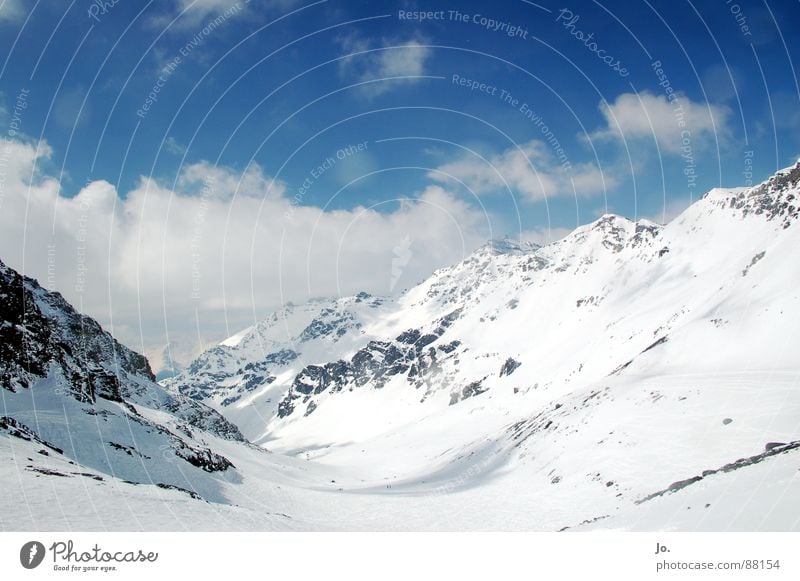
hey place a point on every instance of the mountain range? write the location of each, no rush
(628, 376)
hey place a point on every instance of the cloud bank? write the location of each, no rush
(12, 10)
(402, 61)
(218, 251)
(636, 116)
(530, 169)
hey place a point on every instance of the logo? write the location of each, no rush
(402, 256)
(31, 554)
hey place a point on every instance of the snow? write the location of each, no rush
(235, 339)
(649, 355)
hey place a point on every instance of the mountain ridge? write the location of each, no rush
(628, 376)
(375, 352)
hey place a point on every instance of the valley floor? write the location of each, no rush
(720, 449)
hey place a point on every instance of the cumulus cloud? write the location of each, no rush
(197, 12)
(172, 146)
(11, 10)
(530, 169)
(635, 116)
(206, 7)
(219, 251)
(406, 59)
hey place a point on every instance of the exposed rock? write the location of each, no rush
(509, 366)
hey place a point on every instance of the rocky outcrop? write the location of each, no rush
(41, 335)
(411, 354)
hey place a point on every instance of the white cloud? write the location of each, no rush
(11, 10)
(196, 13)
(544, 235)
(635, 116)
(218, 252)
(530, 169)
(172, 146)
(206, 7)
(396, 58)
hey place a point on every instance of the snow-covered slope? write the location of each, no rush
(628, 376)
(245, 376)
(81, 396)
(616, 316)
(711, 291)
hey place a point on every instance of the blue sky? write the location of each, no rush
(108, 64)
(532, 115)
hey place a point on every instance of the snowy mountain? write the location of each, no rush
(612, 295)
(628, 376)
(81, 397)
(245, 375)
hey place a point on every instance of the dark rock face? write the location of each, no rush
(770, 449)
(19, 430)
(205, 375)
(194, 495)
(41, 333)
(753, 262)
(20, 336)
(644, 233)
(203, 417)
(282, 357)
(614, 234)
(286, 405)
(471, 390)
(39, 329)
(412, 354)
(329, 323)
(228, 372)
(771, 199)
(315, 379)
(509, 366)
(408, 337)
(203, 458)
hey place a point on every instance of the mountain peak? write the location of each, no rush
(774, 198)
(610, 220)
